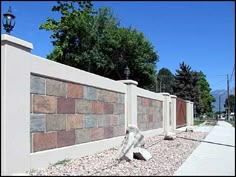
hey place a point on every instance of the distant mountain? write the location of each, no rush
(223, 95)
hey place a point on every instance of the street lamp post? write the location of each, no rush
(8, 21)
(127, 72)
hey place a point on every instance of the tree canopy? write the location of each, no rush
(193, 86)
(92, 40)
(186, 83)
(166, 81)
(231, 104)
(205, 97)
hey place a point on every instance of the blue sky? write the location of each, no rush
(202, 34)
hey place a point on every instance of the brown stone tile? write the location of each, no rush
(74, 90)
(44, 104)
(65, 138)
(97, 134)
(44, 141)
(97, 107)
(74, 121)
(108, 108)
(108, 132)
(145, 102)
(66, 105)
(150, 118)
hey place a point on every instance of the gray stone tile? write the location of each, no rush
(37, 122)
(55, 87)
(55, 122)
(90, 93)
(37, 85)
(90, 121)
(82, 135)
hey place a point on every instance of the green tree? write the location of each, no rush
(206, 98)
(186, 85)
(166, 81)
(93, 41)
(231, 103)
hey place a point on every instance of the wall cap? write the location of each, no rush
(14, 40)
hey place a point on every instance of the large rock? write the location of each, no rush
(133, 139)
(141, 153)
(189, 129)
(170, 136)
(126, 149)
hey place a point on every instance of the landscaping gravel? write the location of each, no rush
(167, 157)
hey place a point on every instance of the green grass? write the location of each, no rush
(197, 122)
(61, 162)
(232, 122)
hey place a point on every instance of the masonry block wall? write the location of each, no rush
(149, 114)
(62, 112)
(65, 114)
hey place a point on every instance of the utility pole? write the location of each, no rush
(219, 107)
(227, 97)
(160, 84)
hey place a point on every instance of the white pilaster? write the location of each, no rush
(173, 113)
(15, 107)
(192, 115)
(188, 112)
(131, 102)
(166, 112)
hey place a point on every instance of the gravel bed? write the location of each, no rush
(167, 157)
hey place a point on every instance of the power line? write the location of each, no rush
(232, 73)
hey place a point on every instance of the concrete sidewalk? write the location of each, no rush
(215, 156)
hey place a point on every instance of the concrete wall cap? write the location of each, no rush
(14, 40)
(173, 96)
(129, 82)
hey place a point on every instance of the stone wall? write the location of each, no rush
(149, 114)
(65, 114)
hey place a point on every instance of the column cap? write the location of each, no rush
(129, 82)
(187, 101)
(165, 94)
(13, 40)
(173, 96)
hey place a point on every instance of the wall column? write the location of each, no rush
(192, 116)
(131, 102)
(166, 112)
(15, 107)
(188, 113)
(173, 112)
